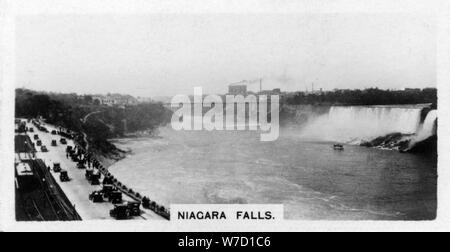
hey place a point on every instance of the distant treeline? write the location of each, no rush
(371, 96)
(69, 111)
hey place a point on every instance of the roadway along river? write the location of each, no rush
(78, 189)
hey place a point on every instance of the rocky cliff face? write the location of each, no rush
(428, 146)
(395, 141)
(423, 141)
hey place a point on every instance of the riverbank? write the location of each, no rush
(102, 159)
(111, 157)
(115, 153)
(404, 144)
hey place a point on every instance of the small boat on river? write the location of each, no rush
(338, 147)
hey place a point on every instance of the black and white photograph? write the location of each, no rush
(256, 116)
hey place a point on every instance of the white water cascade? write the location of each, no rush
(356, 124)
(428, 127)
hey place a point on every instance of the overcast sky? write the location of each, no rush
(169, 54)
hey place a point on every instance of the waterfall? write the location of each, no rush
(428, 127)
(355, 124)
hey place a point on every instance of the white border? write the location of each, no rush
(11, 8)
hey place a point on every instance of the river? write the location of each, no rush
(311, 179)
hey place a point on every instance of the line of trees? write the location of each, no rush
(373, 96)
(67, 110)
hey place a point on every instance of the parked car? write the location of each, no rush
(120, 212)
(64, 176)
(107, 190)
(134, 208)
(57, 167)
(81, 165)
(93, 176)
(115, 197)
(96, 197)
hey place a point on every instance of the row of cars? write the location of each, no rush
(109, 192)
(63, 174)
(53, 143)
(122, 210)
(40, 127)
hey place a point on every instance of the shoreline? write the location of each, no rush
(120, 154)
(114, 156)
(110, 158)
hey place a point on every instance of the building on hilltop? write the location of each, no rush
(239, 88)
(115, 100)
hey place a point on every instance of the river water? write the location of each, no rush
(313, 181)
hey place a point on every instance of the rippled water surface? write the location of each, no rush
(311, 179)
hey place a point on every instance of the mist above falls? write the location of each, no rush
(357, 124)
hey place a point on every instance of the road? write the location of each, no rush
(90, 114)
(78, 189)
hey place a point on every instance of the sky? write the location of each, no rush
(169, 54)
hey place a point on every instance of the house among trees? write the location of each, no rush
(115, 100)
